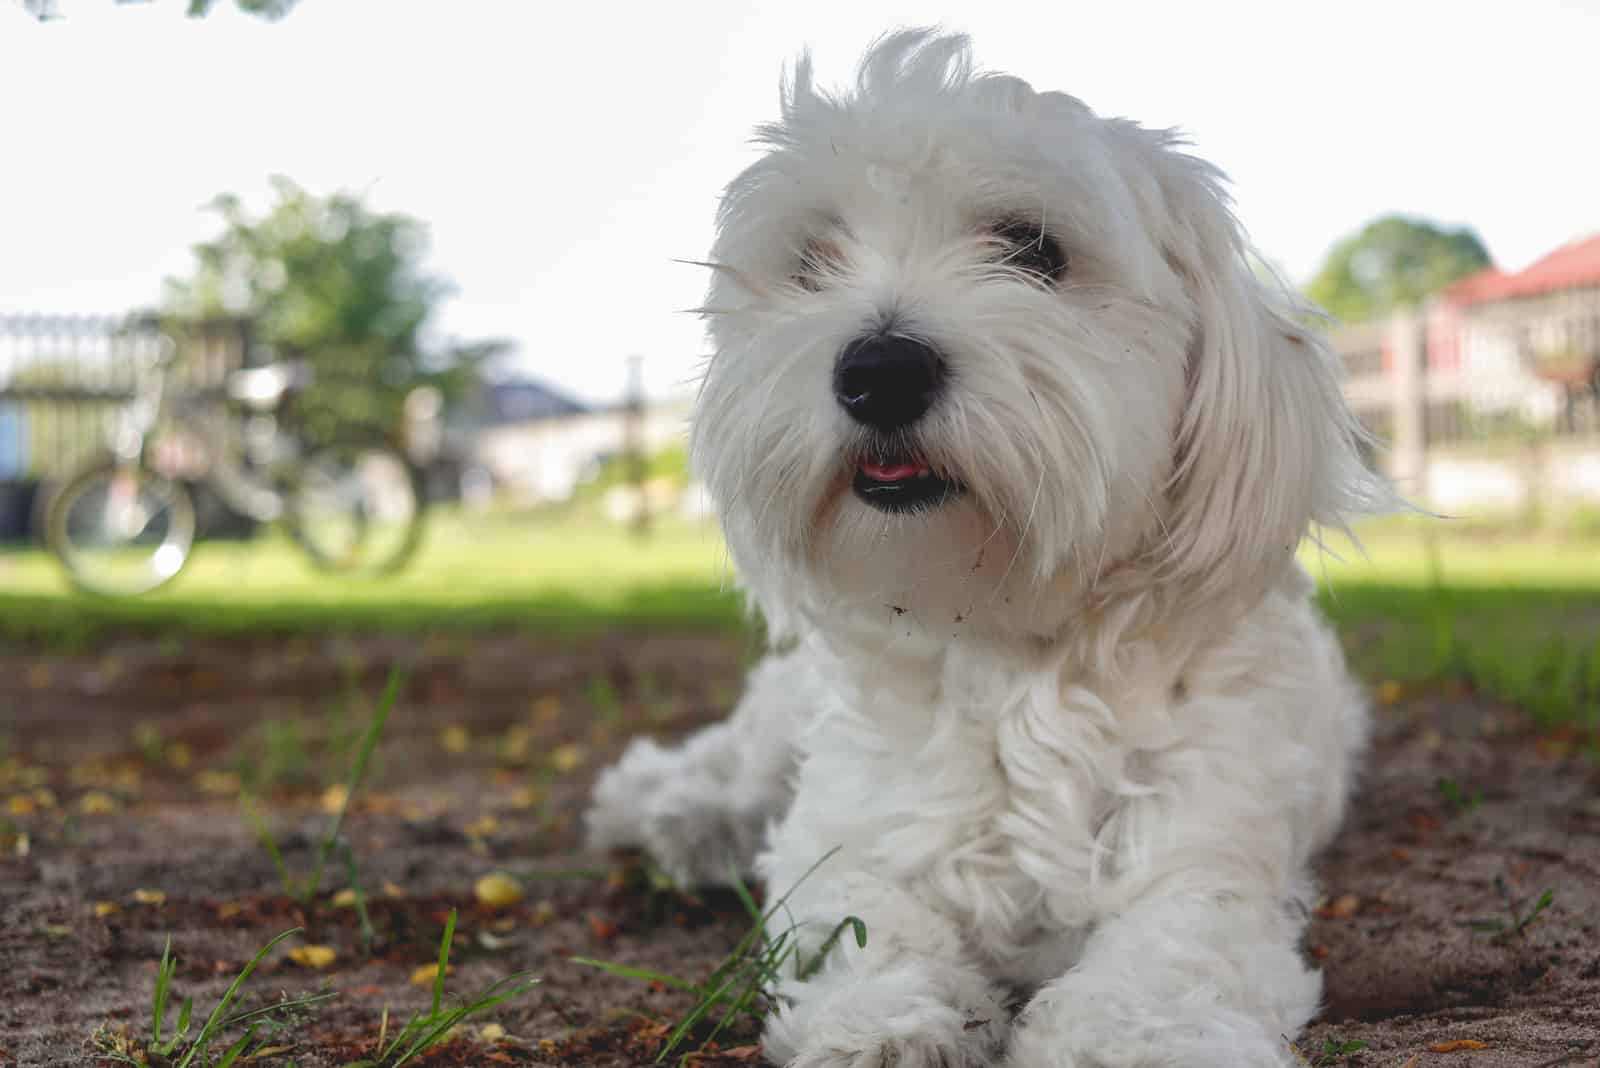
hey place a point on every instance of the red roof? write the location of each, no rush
(1571, 266)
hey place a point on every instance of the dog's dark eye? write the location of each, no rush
(1026, 247)
(818, 259)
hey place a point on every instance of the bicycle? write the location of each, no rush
(124, 523)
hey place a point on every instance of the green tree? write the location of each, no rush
(1394, 260)
(331, 281)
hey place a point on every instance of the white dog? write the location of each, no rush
(1013, 452)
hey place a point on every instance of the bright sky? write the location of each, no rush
(565, 152)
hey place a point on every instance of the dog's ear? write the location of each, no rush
(1266, 448)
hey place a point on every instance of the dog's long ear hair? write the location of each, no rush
(1266, 449)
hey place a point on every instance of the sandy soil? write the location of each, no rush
(120, 825)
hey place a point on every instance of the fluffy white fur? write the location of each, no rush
(1074, 734)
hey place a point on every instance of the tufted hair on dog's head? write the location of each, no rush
(1077, 383)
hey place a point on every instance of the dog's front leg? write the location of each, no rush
(909, 998)
(700, 810)
(1193, 961)
(1176, 982)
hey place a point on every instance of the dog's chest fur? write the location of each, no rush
(989, 786)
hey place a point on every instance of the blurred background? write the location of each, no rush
(341, 343)
(331, 314)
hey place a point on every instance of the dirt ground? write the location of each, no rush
(121, 825)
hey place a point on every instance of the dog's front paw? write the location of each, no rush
(693, 825)
(887, 1021)
(1091, 1041)
(622, 797)
(702, 841)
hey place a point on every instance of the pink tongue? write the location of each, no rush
(891, 472)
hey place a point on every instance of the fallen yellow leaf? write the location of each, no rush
(497, 889)
(547, 708)
(1389, 692)
(312, 956)
(391, 890)
(179, 755)
(425, 975)
(514, 745)
(543, 913)
(268, 1051)
(150, 897)
(95, 803)
(492, 1032)
(21, 806)
(334, 798)
(1458, 1044)
(482, 828)
(218, 782)
(523, 797)
(1340, 908)
(344, 899)
(565, 758)
(106, 908)
(455, 739)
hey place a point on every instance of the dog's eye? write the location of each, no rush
(819, 259)
(1026, 247)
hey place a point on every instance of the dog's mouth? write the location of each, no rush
(902, 483)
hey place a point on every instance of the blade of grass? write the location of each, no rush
(441, 1024)
(636, 973)
(233, 1051)
(158, 1007)
(264, 834)
(444, 960)
(369, 742)
(353, 872)
(213, 1023)
(267, 1010)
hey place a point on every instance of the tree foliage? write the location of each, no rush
(331, 281)
(1393, 261)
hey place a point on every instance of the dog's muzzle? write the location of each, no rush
(887, 383)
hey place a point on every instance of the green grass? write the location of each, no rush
(744, 984)
(1515, 615)
(555, 573)
(424, 1030)
(183, 1049)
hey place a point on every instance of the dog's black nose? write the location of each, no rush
(887, 381)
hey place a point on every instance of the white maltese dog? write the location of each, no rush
(1013, 451)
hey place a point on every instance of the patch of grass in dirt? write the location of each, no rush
(303, 892)
(180, 1048)
(184, 1047)
(742, 985)
(426, 1030)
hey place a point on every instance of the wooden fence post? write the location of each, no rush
(1410, 446)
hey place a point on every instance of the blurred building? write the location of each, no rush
(1489, 397)
(528, 443)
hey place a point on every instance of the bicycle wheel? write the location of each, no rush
(356, 508)
(120, 529)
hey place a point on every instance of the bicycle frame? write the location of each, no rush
(220, 433)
